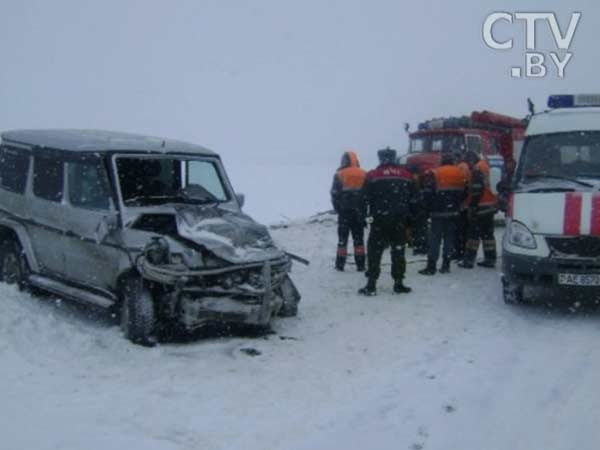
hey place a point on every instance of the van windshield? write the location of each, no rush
(572, 157)
(151, 181)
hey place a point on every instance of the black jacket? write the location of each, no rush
(390, 191)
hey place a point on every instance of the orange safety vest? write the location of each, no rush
(352, 178)
(488, 198)
(449, 178)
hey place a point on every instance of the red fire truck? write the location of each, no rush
(497, 137)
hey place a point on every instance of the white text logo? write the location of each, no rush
(537, 63)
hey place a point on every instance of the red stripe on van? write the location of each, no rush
(595, 228)
(572, 224)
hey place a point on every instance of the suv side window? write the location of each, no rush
(14, 168)
(48, 175)
(88, 185)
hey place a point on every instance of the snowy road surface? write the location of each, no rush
(447, 367)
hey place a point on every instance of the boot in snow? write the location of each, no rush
(487, 263)
(340, 259)
(465, 264)
(429, 269)
(400, 288)
(369, 290)
(445, 266)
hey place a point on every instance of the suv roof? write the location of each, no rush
(86, 141)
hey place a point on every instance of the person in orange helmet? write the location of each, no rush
(348, 202)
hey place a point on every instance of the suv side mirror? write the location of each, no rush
(107, 224)
(241, 199)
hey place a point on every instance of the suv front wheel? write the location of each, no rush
(138, 317)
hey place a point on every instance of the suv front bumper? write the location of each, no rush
(196, 312)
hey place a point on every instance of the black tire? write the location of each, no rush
(138, 316)
(13, 265)
(512, 292)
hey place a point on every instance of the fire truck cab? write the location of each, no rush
(496, 137)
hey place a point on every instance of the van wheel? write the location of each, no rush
(512, 292)
(15, 269)
(138, 318)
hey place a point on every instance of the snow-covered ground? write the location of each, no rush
(447, 367)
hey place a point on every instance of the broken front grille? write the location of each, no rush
(580, 246)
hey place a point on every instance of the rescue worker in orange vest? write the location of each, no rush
(482, 208)
(463, 221)
(445, 190)
(349, 203)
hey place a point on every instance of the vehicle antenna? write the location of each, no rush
(531, 106)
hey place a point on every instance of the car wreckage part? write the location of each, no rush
(70, 292)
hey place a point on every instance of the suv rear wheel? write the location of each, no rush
(138, 317)
(14, 268)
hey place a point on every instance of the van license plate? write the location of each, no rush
(577, 279)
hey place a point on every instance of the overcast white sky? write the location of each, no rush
(279, 88)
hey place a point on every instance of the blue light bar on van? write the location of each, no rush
(573, 101)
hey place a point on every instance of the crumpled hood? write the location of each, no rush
(232, 236)
(562, 213)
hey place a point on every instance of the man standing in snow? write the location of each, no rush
(391, 194)
(463, 222)
(445, 189)
(482, 208)
(348, 202)
(420, 225)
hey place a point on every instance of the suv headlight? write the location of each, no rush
(520, 236)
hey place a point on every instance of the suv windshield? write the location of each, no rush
(150, 181)
(437, 142)
(572, 158)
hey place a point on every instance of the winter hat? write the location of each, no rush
(387, 155)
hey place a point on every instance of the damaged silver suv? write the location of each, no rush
(150, 227)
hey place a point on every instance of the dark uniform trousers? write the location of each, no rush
(420, 232)
(443, 228)
(462, 235)
(481, 228)
(386, 232)
(351, 222)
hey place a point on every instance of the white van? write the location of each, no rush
(552, 237)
